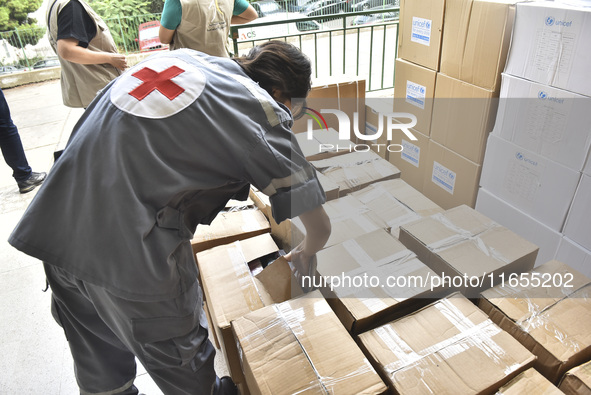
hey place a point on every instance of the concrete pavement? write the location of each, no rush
(35, 355)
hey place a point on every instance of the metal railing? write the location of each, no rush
(339, 45)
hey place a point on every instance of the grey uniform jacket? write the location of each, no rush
(158, 152)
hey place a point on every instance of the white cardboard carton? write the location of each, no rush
(524, 225)
(549, 121)
(575, 256)
(551, 45)
(578, 224)
(535, 185)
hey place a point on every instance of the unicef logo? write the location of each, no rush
(428, 25)
(422, 90)
(549, 21)
(542, 95)
(452, 176)
(519, 156)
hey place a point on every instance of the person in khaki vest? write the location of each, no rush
(86, 51)
(202, 25)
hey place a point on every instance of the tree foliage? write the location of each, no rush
(14, 14)
(123, 18)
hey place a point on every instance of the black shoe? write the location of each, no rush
(225, 386)
(30, 183)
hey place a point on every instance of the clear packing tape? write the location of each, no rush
(462, 235)
(541, 317)
(470, 335)
(380, 194)
(287, 324)
(244, 277)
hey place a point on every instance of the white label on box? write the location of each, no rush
(370, 129)
(410, 153)
(523, 178)
(421, 31)
(415, 94)
(443, 177)
(546, 117)
(554, 46)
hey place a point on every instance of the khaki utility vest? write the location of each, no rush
(81, 82)
(204, 26)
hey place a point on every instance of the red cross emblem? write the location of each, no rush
(160, 81)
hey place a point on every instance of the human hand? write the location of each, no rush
(304, 266)
(118, 61)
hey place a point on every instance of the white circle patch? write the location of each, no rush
(158, 88)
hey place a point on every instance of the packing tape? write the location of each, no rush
(462, 235)
(543, 319)
(469, 335)
(242, 272)
(290, 320)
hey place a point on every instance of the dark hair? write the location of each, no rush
(278, 65)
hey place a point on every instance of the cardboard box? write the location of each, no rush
(230, 226)
(529, 382)
(577, 257)
(421, 25)
(578, 226)
(462, 243)
(412, 158)
(231, 291)
(520, 223)
(356, 170)
(299, 346)
(463, 116)
(332, 190)
(535, 185)
(349, 218)
(282, 231)
(476, 37)
(450, 179)
(577, 381)
(550, 45)
(548, 311)
(549, 121)
(414, 90)
(448, 347)
(396, 203)
(343, 93)
(323, 144)
(373, 279)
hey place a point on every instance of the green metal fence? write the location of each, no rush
(361, 44)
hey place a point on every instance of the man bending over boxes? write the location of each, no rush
(159, 151)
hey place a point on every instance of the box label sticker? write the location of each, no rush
(415, 94)
(421, 31)
(370, 129)
(410, 153)
(523, 177)
(443, 177)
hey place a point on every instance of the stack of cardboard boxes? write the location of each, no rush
(419, 338)
(451, 54)
(535, 179)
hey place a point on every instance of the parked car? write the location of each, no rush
(319, 8)
(49, 62)
(148, 37)
(376, 18)
(295, 5)
(364, 5)
(8, 69)
(266, 8)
